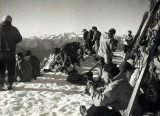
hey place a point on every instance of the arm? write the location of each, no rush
(94, 36)
(102, 99)
(100, 73)
(93, 67)
(18, 37)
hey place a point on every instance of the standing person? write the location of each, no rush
(85, 34)
(35, 63)
(96, 38)
(23, 69)
(128, 40)
(107, 44)
(89, 40)
(9, 37)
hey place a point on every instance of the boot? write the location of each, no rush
(10, 87)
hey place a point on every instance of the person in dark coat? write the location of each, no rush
(85, 34)
(89, 40)
(35, 63)
(23, 69)
(96, 38)
(9, 37)
(128, 41)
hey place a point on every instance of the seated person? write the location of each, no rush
(115, 94)
(80, 54)
(35, 63)
(105, 69)
(58, 59)
(23, 71)
(128, 67)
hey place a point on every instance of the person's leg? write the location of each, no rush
(125, 50)
(2, 69)
(11, 67)
(101, 111)
(88, 45)
(96, 46)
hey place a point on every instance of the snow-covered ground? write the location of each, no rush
(49, 95)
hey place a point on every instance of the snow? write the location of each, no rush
(49, 95)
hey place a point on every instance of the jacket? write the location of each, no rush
(96, 35)
(24, 70)
(117, 95)
(90, 35)
(9, 36)
(104, 48)
(35, 63)
(85, 34)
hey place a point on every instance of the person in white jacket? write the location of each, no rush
(107, 45)
(116, 94)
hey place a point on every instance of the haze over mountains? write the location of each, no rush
(50, 41)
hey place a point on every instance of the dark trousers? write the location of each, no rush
(127, 48)
(89, 45)
(101, 111)
(7, 62)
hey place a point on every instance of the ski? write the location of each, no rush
(148, 60)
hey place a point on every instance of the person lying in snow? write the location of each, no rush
(115, 94)
(35, 63)
(23, 69)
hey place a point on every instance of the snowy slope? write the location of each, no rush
(49, 95)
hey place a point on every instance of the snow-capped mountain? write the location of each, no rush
(50, 41)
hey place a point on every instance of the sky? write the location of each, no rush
(39, 17)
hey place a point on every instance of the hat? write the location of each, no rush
(7, 18)
(130, 31)
(94, 27)
(20, 54)
(84, 30)
(28, 52)
(112, 30)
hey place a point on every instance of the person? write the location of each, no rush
(23, 69)
(104, 69)
(96, 38)
(9, 37)
(129, 68)
(128, 40)
(71, 53)
(115, 94)
(107, 44)
(85, 34)
(58, 59)
(89, 41)
(80, 54)
(35, 63)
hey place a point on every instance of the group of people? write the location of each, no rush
(112, 92)
(64, 59)
(14, 65)
(27, 67)
(94, 41)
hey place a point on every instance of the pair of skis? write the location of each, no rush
(148, 59)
